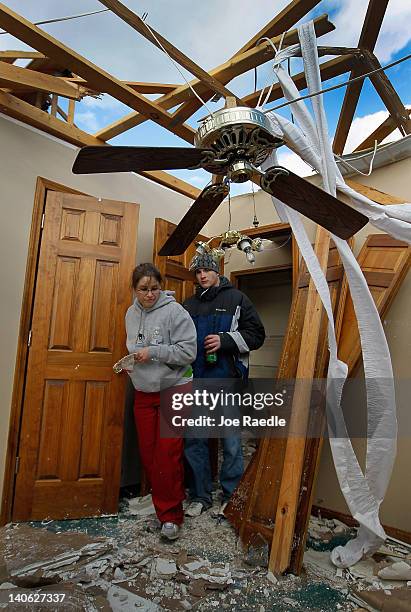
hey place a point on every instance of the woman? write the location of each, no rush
(162, 336)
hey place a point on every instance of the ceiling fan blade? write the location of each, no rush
(336, 216)
(194, 220)
(92, 160)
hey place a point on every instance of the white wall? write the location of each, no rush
(25, 154)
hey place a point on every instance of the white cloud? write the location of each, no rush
(88, 121)
(364, 126)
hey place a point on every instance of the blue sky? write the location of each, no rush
(210, 32)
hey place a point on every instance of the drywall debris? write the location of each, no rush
(400, 570)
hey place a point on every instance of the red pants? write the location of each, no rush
(162, 459)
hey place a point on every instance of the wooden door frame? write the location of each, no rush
(42, 186)
(237, 274)
(277, 230)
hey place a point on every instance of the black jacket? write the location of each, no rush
(226, 311)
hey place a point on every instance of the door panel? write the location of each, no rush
(71, 433)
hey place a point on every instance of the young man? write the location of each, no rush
(228, 328)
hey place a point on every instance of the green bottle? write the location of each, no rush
(211, 359)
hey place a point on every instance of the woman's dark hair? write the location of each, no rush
(145, 269)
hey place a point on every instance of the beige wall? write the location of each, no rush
(26, 154)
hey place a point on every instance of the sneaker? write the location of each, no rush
(195, 508)
(170, 531)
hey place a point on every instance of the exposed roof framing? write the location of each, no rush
(225, 73)
(12, 56)
(368, 38)
(56, 70)
(98, 78)
(282, 22)
(159, 41)
(13, 77)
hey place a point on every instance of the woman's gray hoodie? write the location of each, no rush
(169, 332)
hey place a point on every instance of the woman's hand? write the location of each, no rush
(212, 343)
(142, 355)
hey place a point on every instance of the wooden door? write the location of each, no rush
(71, 432)
(174, 268)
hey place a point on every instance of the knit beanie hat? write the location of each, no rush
(204, 261)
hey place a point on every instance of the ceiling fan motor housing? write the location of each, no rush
(238, 137)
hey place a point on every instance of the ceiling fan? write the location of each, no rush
(232, 143)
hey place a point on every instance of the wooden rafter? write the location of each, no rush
(381, 132)
(16, 78)
(283, 21)
(12, 56)
(162, 43)
(18, 109)
(368, 38)
(225, 73)
(144, 88)
(98, 78)
(387, 92)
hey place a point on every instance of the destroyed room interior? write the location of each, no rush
(266, 147)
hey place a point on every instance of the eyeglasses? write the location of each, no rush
(146, 291)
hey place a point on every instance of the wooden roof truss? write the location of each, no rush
(55, 71)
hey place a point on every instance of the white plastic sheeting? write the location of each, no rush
(363, 491)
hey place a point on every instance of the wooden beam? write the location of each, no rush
(387, 92)
(374, 194)
(18, 109)
(282, 22)
(26, 113)
(368, 38)
(294, 453)
(225, 73)
(162, 43)
(328, 70)
(97, 77)
(14, 78)
(144, 88)
(12, 56)
(381, 132)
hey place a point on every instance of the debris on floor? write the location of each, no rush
(120, 563)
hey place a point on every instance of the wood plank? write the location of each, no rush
(141, 87)
(294, 454)
(98, 78)
(18, 78)
(374, 194)
(224, 73)
(368, 38)
(387, 93)
(380, 133)
(283, 21)
(162, 43)
(12, 56)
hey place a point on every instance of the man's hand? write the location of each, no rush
(142, 355)
(212, 343)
